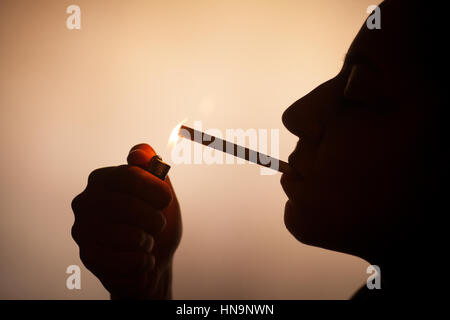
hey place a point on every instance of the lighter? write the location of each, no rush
(157, 167)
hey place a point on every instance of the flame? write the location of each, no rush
(174, 135)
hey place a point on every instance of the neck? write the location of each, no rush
(404, 269)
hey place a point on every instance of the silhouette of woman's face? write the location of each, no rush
(358, 149)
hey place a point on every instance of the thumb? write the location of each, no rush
(140, 155)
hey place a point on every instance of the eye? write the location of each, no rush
(363, 84)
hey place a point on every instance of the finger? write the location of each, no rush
(140, 155)
(131, 287)
(98, 176)
(172, 230)
(143, 146)
(137, 182)
(106, 262)
(121, 237)
(132, 180)
(100, 208)
(126, 287)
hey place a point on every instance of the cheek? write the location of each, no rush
(359, 182)
(356, 174)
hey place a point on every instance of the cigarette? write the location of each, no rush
(235, 150)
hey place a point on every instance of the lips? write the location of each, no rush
(292, 163)
(293, 156)
(290, 186)
(291, 159)
(303, 157)
(292, 183)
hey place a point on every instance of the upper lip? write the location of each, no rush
(293, 156)
(291, 159)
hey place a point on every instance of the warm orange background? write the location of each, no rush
(71, 101)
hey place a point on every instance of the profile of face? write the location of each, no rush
(359, 149)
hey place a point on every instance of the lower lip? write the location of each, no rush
(289, 184)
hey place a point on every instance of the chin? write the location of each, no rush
(296, 226)
(310, 232)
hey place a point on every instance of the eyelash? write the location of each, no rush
(359, 84)
(347, 102)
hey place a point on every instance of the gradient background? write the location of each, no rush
(75, 100)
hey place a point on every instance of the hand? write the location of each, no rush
(128, 226)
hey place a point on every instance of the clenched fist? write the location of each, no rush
(128, 226)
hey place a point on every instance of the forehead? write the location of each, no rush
(390, 48)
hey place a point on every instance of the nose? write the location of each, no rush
(303, 127)
(307, 116)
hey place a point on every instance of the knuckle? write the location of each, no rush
(141, 185)
(134, 172)
(162, 197)
(129, 170)
(150, 243)
(76, 203)
(140, 237)
(75, 233)
(147, 242)
(93, 176)
(161, 221)
(98, 175)
(167, 198)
